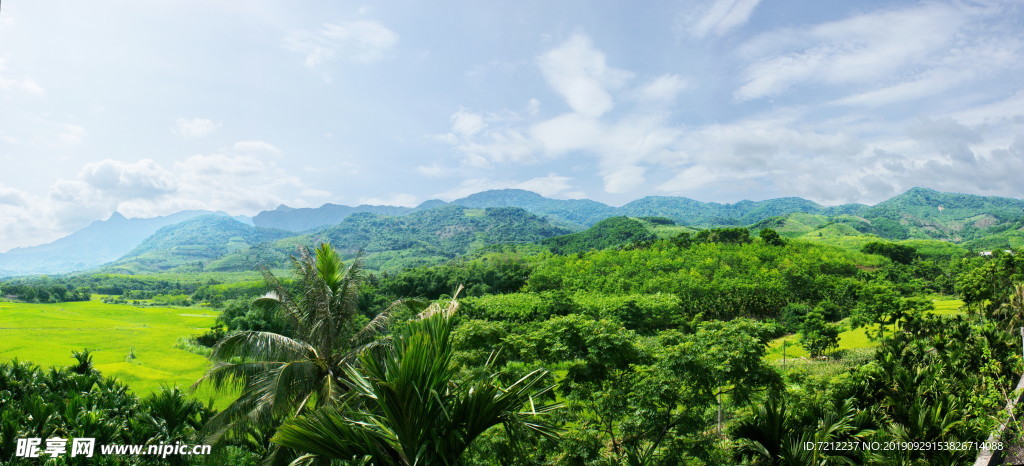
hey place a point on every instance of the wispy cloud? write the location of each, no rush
(192, 128)
(867, 48)
(22, 85)
(361, 41)
(722, 16)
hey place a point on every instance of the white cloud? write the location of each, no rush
(578, 72)
(432, 170)
(71, 134)
(483, 142)
(25, 85)
(722, 16)
(12, 197)
(361, 41)
(191, 128)
(255, 148)
(568, 132)
(663, 89)
(924, 86)
(394, 199)
(242, 180)
(533, 107)
(552, 185)
(1008, 108)
(467, 124)
(861, 49)
(143, 179)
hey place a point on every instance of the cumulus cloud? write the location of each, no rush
(191, 128)
(577, 71)
(244, 179)
(629, 126)
(142, 179)
(947, 137)
(12, 197)
(361, 41)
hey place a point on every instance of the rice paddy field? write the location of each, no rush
(853, 341)
(133, 344)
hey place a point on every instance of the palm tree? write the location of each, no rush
(405, 407)
(282, 376)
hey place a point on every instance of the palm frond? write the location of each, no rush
(261, 346)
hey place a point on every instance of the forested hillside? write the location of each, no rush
(660, 344)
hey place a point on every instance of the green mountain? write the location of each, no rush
(977, 222)
(395, 237)
(608, 233)
(99, 243)
(387, 242)
(190, 245)
(305, 219)
(690, 212)
(430, 236)
(577, 212)
(926, 213)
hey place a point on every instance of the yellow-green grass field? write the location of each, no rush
(47, 333)
(849, 340)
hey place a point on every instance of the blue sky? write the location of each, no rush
(152, 107)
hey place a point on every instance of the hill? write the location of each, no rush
(305, 219)
(189, 245)
(608, 233)
(387, 242)
(430, 236)
(435, 230)
(99, 243)
(690, 212)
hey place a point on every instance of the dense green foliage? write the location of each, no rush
(898, 253)
(42, 291)
(280, 375)
(658, 348)
(608, 233)
(78, 402)
(189, 245)
(405, 406)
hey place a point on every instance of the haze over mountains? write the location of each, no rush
(436, 230)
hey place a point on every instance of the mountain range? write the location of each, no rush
(436, 230)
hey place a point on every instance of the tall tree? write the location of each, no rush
(281, 376)
(406, 407)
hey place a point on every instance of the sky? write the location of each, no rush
(148, 108)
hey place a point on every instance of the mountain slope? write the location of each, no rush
(578, 212)
(305, 219)
(189, 245)
(608, 233)
(388, 242)
(96, 244)
(690, 212)
(432, 235)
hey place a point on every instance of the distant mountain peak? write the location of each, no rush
(116, 216)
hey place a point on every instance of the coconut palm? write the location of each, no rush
(405, 407)
(281, 376)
